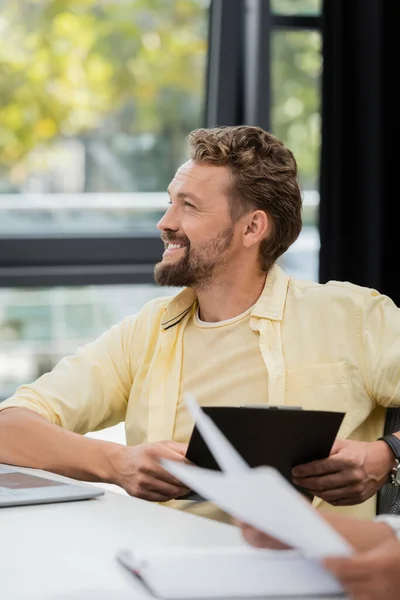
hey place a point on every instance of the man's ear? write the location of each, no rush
(256, 228)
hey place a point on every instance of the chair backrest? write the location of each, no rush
(389, 496)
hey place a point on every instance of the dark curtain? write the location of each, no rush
(359, 191)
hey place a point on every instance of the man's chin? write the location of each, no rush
(168, 275)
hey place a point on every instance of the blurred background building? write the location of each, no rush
(96, 98)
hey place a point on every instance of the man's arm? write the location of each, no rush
(41, 423)
(357, 470)
(86, 391)
(28, 440)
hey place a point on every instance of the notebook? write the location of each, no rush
(183, 573)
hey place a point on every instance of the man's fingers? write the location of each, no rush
(153, 496)
(155, 490)
(153, 469)
(344, 496)
(165, 490)
(170, 451)
(327, 482)
(162, 475)
(338, 445)
(327, 466)
(316, 468)
(176, 447)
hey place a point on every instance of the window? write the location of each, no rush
(96, 100)
(98, 96)
(40, 326)
(296, 65)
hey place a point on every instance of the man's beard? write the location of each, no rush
(197, 266)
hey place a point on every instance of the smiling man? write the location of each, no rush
(241, 331)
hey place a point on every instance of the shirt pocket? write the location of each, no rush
(319, 387)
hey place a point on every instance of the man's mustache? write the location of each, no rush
(170, 239)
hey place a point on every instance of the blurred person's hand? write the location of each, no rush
(372, 575)
(363, 535)
(352, 473)
(259, 539)
(138, 470)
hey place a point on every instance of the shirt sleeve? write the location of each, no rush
(393, 521)
(381, 349)
(87, 391)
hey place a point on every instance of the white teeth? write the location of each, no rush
(172, 246)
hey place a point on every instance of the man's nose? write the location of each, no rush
(169, 220)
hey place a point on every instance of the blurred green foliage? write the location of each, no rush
(296, 7)
(130, 75)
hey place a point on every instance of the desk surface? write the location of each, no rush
(67, 550)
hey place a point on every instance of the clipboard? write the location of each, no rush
(279, 437)
(259, 496)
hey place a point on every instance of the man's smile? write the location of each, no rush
(173, 248)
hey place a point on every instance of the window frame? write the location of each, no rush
(71, 260)
(237, 91)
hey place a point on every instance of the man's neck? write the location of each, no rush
(222, 300)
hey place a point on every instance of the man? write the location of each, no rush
(241, 331)
(373, 572)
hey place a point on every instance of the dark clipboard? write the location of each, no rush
(281, 437)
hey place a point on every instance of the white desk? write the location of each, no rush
(67, 550)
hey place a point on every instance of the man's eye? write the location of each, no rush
(188, 204)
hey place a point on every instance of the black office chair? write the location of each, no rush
(389, 496)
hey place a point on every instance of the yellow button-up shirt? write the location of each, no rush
(334, 346)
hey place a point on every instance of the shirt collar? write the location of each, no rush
(270, 304)
(178, 308)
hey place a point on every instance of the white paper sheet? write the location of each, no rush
(226, 456)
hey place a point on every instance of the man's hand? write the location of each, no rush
(370, 575)
(138, 471)
(352, 473)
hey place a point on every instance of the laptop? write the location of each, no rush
(20, 486)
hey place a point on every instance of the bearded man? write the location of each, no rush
(241, 331)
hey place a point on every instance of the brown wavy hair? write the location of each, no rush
(264, 177)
